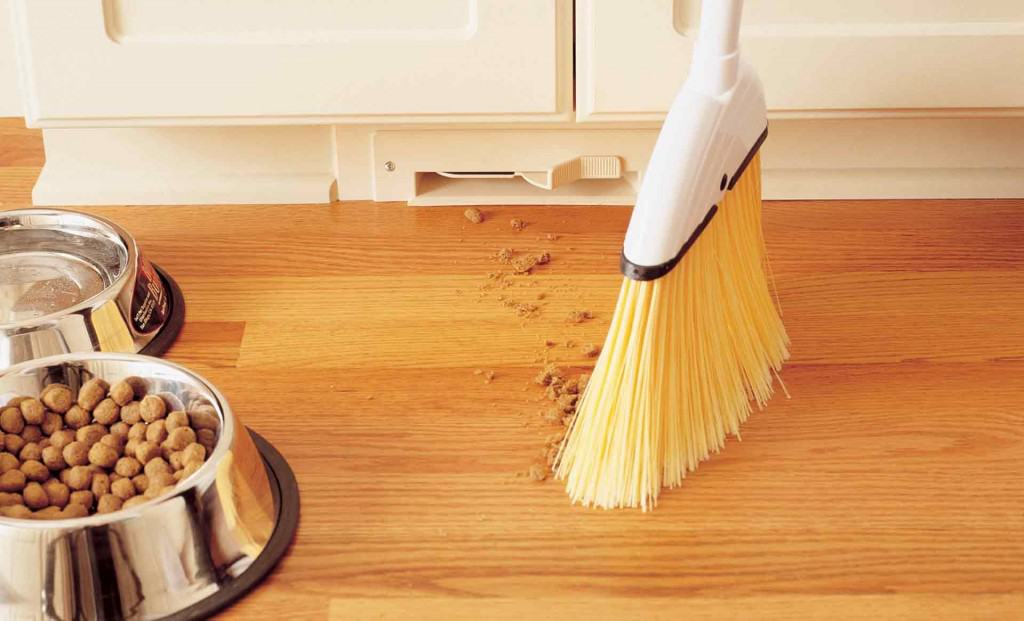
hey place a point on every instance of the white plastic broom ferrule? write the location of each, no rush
(713, 128)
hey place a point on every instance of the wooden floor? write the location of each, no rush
(890, 485)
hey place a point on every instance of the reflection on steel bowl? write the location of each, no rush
(71, 282)
(162, 557)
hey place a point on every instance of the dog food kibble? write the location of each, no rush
(131, 412)
(51, 424)
(156, 432)
(146, 452)
(175, 420)
(32, 411)
(109, 504)
(31, 450)
(474, 215)
(58, 493)
(57, 397)
(77, 417)
(153, 408)
(12, 481)
(13, 443)
(92, 393)
(11, 420)
(35, 471)
(109, 447)
(107, 412)
(8, 462)
(102, 455)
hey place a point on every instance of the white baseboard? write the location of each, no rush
(803, 159)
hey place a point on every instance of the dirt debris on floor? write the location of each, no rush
(474, 215)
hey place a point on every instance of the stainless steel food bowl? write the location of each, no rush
(71, 282)
(181, 556)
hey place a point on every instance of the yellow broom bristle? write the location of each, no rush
(685, 357)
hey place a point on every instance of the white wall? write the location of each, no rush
(10, 90)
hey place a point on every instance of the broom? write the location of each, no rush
(695, 337)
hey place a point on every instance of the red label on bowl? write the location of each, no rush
(149, 301)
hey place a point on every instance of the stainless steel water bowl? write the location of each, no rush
(163, 558)
(70, 282)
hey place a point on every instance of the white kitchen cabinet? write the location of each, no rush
(196, 62)
(817, 58)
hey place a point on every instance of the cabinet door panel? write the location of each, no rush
(816, 57)
(110, 62)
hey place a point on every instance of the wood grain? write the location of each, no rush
(887, 486)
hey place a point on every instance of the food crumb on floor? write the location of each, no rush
(538, 472)
(591, 351)
(517, 224)
(579, 316)
(474, 215)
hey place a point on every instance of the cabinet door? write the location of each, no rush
(816, 57)
(146, 62)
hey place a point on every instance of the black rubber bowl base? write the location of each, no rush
(286, 498)
(175, 320)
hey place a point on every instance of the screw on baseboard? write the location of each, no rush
(389, 166)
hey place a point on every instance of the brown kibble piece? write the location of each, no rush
(12, 481)
(62, 438)
(175, 460)
(82, 497)
(175, 420)
(190, 468)
(134, 502)
(128, 467)
(146, 452)
(90, 434)
(517, 224)
(12, 421)
(10, 499)
(156, 466)
(35, 497)
(131, 412)
(591, 350)
(156, 432)
(48, 513)
(107, 412)
(8, 462)
(474, 215)
(122, 392)
(153, 408)
(73, 511)
(52, 423)
(115, 442)
(100, 485)
(193, 453)
(13, 443)
(31, 450)
(32, 433)
(77, 417)
(204, 418)
(35, 471)
(110, 503)
(138, 431)
(57, 397)
(141, 483)
(102, 455)
(180, 438)
(58, 493)
(538, 472)
(123, 489)
(208, 438)
(20, 512)
(130, 446)
(32, 411)
(92, 393)
(79, 478)
(120, 429)
(76, 454)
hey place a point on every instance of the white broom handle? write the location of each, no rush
(716, 53)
